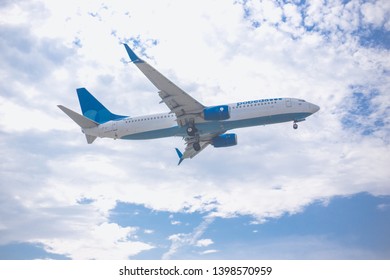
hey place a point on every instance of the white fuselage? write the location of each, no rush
(242, 114)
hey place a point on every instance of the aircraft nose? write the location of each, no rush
(314, 108)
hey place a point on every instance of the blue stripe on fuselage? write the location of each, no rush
(212, 127)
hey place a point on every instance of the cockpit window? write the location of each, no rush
(301, 100)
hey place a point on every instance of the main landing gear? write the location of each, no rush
(191, 129)
(295, 125)
(196, 146)
(192, 132)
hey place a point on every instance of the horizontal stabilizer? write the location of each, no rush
(90, 138)
(82, 121)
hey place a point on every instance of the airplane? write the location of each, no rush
(199, 125)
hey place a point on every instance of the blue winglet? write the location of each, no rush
(134, 58)
(180, 155)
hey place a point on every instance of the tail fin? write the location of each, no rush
(93, 109)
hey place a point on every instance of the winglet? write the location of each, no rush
(180, 155)
(134, 58)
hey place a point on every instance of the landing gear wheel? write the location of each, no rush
(191, 130)
(295, 125)
(196, 146)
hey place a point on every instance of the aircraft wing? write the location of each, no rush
(177, 100)
(190, 152)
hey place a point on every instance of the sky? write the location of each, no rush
(319, 192)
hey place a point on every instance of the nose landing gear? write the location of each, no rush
(295, 125)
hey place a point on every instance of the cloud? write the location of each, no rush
(181, 241)
(27, 57)
(204, 242)
(308, 247)
(265, 49)
(383, 207)
(105, 241)
(377, 13)
(208, 252)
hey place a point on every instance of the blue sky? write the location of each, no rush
(321, 192)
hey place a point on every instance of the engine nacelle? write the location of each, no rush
(216, 113)
(224, 140)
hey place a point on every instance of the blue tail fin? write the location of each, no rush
(93, 109)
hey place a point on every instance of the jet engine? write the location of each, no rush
(224, 140)
(216, 113)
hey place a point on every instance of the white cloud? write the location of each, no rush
(292, 14)
(17, 118)
(207, 252)
(377, 13)
(182, 240)
(204, 242)
(266, 10)
(383, 207)
(48, 163)
(104, 241)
